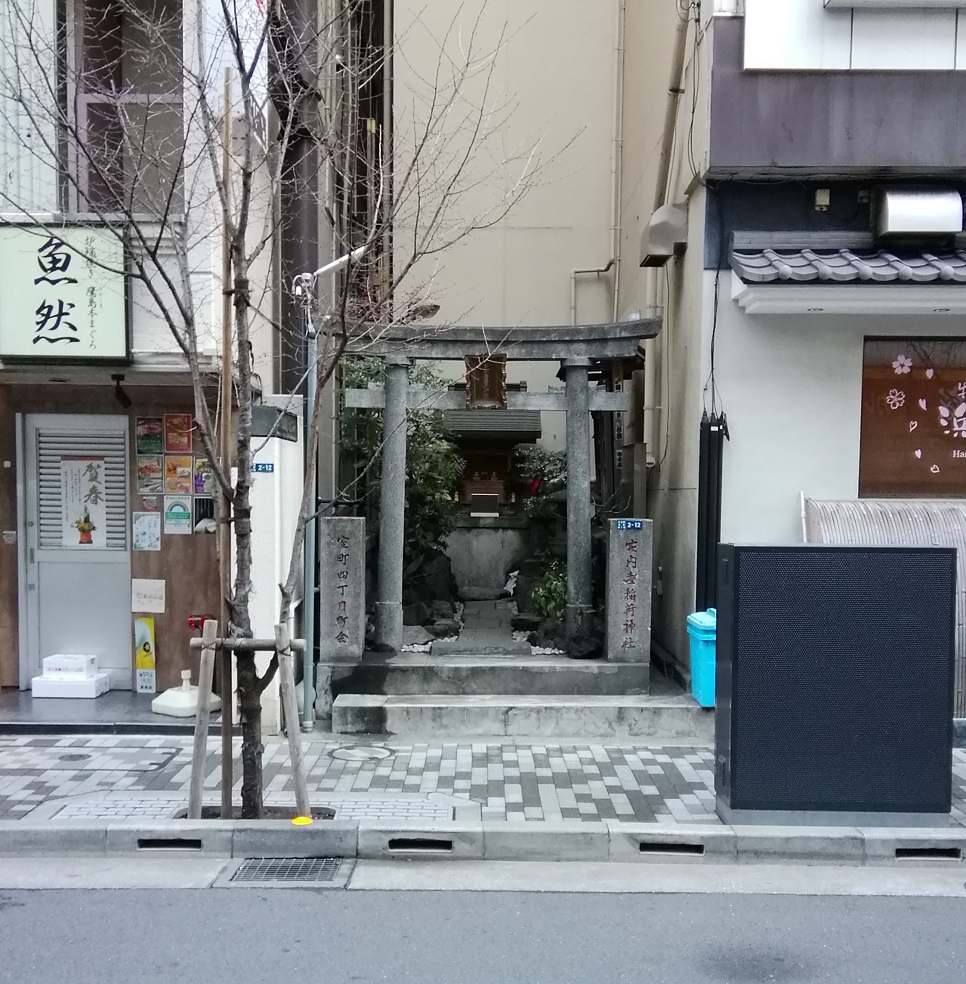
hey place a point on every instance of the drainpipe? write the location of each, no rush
(388, 48)
(674, 93)
(616, 175)
(652, 383)
(617, 171)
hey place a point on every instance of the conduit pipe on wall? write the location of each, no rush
(617, 165)
(616, 175)
(652, 385)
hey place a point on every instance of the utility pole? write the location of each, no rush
(303, 288)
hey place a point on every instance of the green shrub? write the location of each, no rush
(550, 592)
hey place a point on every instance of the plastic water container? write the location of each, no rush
(703, 630)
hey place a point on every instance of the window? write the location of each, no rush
(913, 438)
(127, 103)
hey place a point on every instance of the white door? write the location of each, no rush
(76, 586)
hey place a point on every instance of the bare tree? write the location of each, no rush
(170, 126)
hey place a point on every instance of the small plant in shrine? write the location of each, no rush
(549, 597)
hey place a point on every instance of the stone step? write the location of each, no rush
(528, 715)
(419, 673)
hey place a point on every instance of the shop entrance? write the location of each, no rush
(75, 565)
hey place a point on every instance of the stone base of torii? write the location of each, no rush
(576, 348)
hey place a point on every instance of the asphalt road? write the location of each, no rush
(340, 937)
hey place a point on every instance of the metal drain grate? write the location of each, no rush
(288, 870)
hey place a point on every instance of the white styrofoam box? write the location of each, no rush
(84, 687)
(70, 666)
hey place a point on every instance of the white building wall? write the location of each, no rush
(792, 388)
(552, 93)
(806, 34)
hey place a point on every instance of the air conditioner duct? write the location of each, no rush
(665, 235)
(918, 212)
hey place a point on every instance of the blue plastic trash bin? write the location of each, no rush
(703, 630)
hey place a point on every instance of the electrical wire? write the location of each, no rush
(666, 360)
(695, 8)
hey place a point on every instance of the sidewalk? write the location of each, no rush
(113, 778)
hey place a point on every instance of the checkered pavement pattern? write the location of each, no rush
(508, 780)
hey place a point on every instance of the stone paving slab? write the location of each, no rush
(504, 780)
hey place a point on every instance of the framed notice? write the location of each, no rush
(177, 514)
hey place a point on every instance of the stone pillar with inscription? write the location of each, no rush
(628, 626)
(342, 588)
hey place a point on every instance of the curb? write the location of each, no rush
(488, 841)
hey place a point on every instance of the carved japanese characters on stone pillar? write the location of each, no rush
(629, 590)
(342, 579)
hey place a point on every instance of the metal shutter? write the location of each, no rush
(52, 445)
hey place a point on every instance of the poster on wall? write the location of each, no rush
(149, 435)
(177, 433)
(147, 595)
(146, 534)
(150, 474)
(177, 474)
(144, 656)
(177, 514)
(204, 480)
(83, 502)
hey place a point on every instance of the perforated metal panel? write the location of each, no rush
(835, 676)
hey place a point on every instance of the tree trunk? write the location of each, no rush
(250, 711)
(249, 691)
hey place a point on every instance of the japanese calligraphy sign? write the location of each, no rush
(83, 499)
(629, 590)
(342, 580)
(62, 296)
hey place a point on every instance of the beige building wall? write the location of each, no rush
(526, 92)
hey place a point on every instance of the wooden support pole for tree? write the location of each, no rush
(209, 634)
(224, 530)
(286, 680)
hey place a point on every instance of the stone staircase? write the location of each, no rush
(484, 685)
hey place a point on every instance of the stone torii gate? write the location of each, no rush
(576, 347)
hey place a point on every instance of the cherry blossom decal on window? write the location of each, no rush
(902, 365)
(896, 399)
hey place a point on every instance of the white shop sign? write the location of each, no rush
(62, 295)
